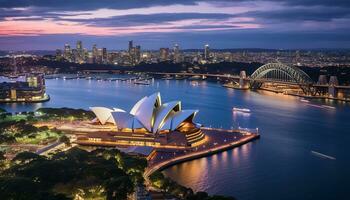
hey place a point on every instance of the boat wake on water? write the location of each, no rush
(323, 155)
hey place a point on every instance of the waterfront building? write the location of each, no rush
(31, 90)
(150, 117)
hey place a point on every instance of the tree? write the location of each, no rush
(2, 156)
(218, 197)
(119, 188)
(64, 139)
(26, 157)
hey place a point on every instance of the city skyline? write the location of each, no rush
(39, 25)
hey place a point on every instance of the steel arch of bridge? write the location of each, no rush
(290, 74)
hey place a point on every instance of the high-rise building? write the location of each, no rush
(75, 55)
(89, 57)
(164, 54)
(130, 46)
(137, 54)
(80, 52)
(67, 52)
(104, 56)
(131, 51)
(85, 55)
(94, 53)
(177, 56)
(206, 52)
(79, 46)
(99, 56)
(58, 54)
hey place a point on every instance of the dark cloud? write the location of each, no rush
(134, 20)
(40, 14)
(222, 39)
(330, 3)
(302, 14)
(274, 36)
(75, 5)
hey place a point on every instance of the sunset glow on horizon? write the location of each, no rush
(265, 22)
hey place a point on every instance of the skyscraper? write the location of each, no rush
(206, 52)
(99, 56)
(164, 54)
(67, 52)
(177, 54)
(79, 46)
(130, 46)
(104, 56)
(80, 55)
(137, 54)
(58, 54)
(94, 53)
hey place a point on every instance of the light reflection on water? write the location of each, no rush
(279, 163)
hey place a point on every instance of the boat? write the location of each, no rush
(141, 82)
(12, 77)
(178, 77)
(167, 77)
(194, 83)
(195, 77)
(304, 100)
(243, 110)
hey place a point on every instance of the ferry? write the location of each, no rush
(194, 83)
(141, 82)
(243, 110)
(167, 77)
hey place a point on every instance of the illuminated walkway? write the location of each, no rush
(218, 140)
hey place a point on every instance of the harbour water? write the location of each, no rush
(278, 166)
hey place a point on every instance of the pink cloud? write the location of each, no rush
(45, 27)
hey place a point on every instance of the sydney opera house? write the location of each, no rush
(151, 123)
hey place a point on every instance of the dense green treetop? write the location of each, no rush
(91, 175)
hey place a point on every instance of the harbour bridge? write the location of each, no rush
(278, 73)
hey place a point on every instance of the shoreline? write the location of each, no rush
(304, 96)
(166, 164)
(25, 101)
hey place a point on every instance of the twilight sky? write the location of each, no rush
(48, 24)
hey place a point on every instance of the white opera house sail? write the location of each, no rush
(149, 114)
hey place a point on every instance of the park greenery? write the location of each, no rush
(76, 173)
(20, 131)
(64, 114)
(73, 174)
(20, 128)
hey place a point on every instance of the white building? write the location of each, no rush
(148, 114)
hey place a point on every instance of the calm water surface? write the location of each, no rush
(278, 166)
